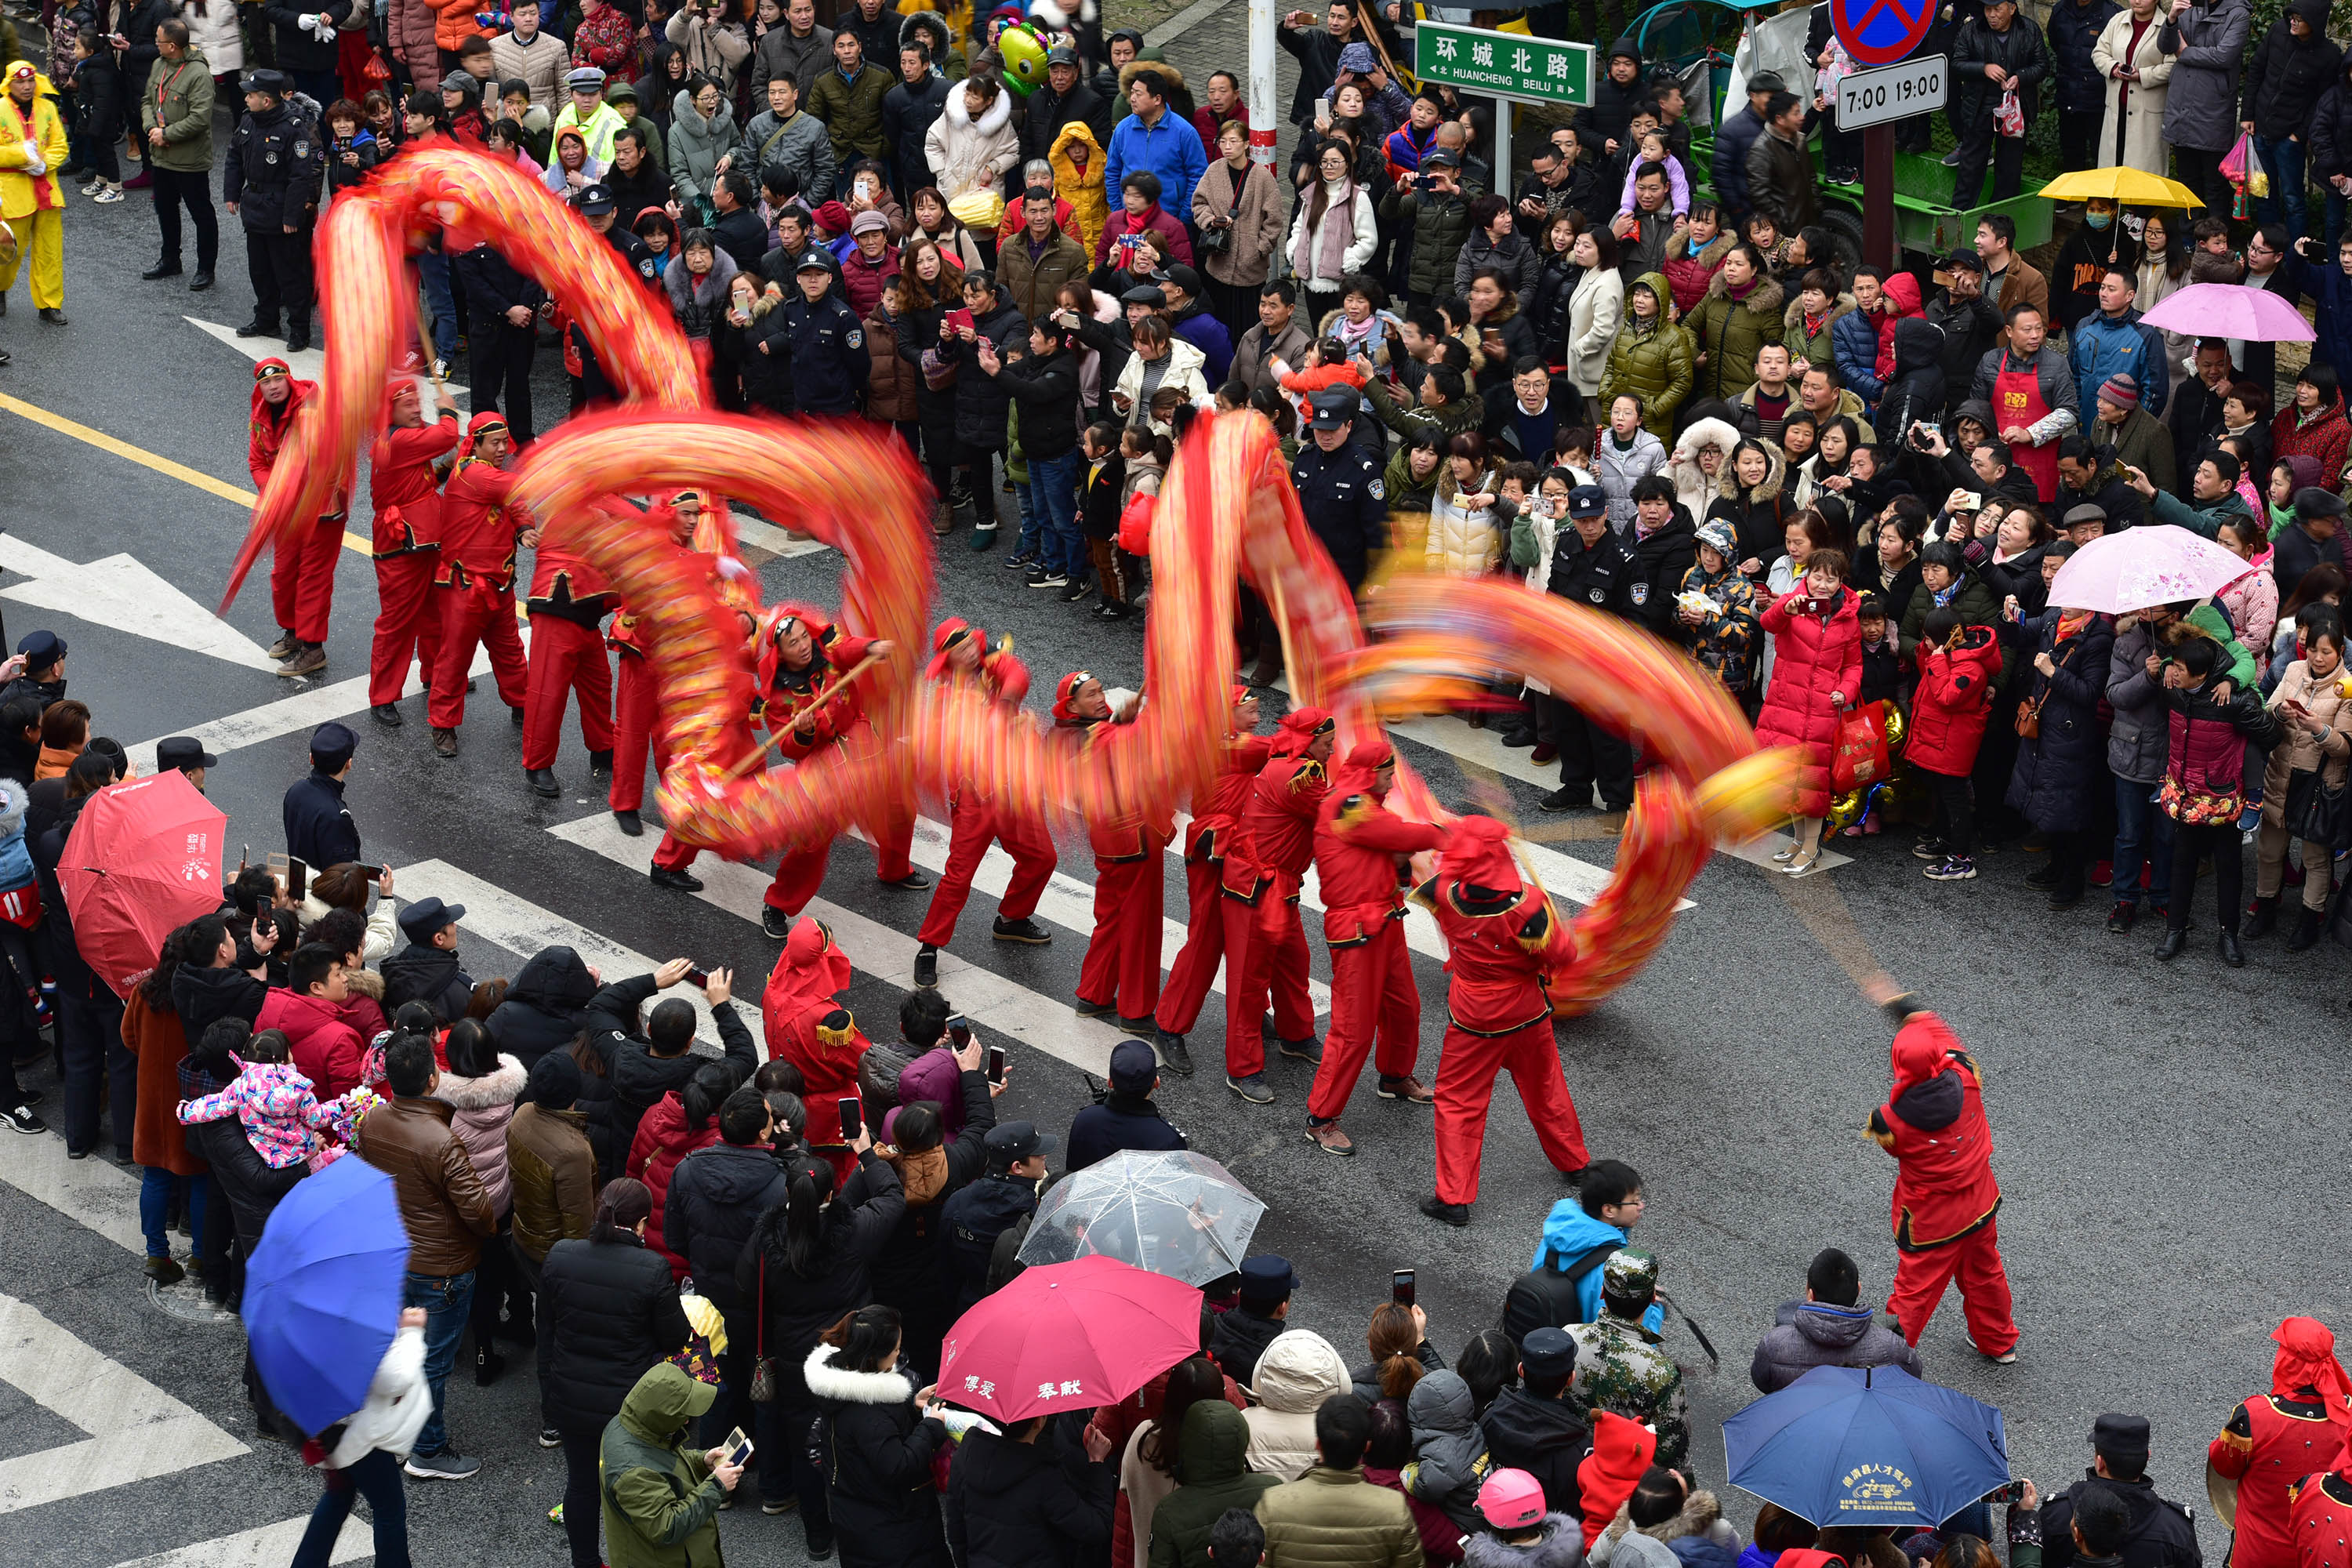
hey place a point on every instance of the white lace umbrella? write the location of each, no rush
(1176, 1214)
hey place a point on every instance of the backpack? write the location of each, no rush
(1552, 1296)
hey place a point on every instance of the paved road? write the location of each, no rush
(2167, 1136)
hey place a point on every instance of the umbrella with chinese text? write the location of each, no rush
(1068, 1336)
(144, 858)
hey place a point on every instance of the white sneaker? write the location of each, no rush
(89, 186)
(111, 193)
(448, 1465)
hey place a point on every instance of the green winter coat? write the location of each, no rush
(1815, 348)
(1730, 330)
(1411, 419)
(851, 110)
(661, 1502)
(184, 139)
(1212, 1474)
(1652, 362)
(1974, 604)
(1438, 227)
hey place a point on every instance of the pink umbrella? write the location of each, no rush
(2230, 310)
(2152, 564)
(143, 858)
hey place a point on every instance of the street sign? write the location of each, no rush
(1880, 32)
(1505, 65)
(1892, 92)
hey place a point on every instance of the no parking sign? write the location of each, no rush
(1880, 32)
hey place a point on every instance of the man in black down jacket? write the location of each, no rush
(1665, 547)
(1968, 321)
(546, 1008)
(1996, 51)
(1126, 1118)
(2081, 93)
(2292, 65)
(1030, 1498)
(642, 1069)
(1827, 1327)
(981, 404)
(1733, 141)
(1533, 1428)
(426, 970)
(976, 1216)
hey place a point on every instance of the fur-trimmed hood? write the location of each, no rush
(827, 1381)
(1127, 74)
(367, 983)
(1727, 483)
(13, 800)
(1793, 314)
(993, 119)
(487, 1092)
(1700, 1510)
(1767, 299)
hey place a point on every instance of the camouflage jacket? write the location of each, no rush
(1620, 1368)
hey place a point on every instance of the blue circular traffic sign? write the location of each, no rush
(1880, 32)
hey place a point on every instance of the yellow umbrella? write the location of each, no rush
(2132, 187)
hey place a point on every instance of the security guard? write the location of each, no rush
(276, 163)
(2159, 1532)
(830, 365)
(1338, 484)
(1595, 568)
(595, 204)
(319, 831)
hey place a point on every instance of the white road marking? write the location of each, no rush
(290, 715)
(524, 929)
(268, 1546)
(121, 593)
(95, 1193)
(136, 1430)
(986, 998)
(310, 364)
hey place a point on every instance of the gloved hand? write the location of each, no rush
(34, 164)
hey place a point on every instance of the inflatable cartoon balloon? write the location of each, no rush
(1024, 51)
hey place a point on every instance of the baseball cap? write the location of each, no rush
(183, 752)
(1133, 1066)
(1334, 407)
(1184, 278)
(1511, 1500)
(1588, 500)
(1440, 159)
(1968, 259)
(1010, 1143)
(1630, 1275)
(1061, 55)
(41, 648)
(594, 199)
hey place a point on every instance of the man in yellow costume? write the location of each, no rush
(32, 146)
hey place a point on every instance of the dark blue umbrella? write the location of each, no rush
(1867, 1447)
(323, 1291)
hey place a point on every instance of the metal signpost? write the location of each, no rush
(1880, 33)
(1511, 67)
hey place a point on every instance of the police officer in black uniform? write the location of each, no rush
(2161, 1533)
(1338, 484)
(1595, 567)
(979, 1214)
(319, 831)
(830, 365)
(276, 163)
(595, 204)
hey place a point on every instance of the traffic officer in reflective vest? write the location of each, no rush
(479, 531)
(1595, 567)
(830, 365)
(1338, 485)
(276, 164)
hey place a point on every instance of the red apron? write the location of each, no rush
(2017, 400)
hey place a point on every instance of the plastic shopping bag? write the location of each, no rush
(1860, 757)
(2009, 119)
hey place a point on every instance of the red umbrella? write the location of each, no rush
(143, 859)
(1068, 1336)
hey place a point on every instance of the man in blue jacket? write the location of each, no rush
(1563, 1285)
(1732, 143)
(1153, 138)
(2330, 288)
(2114, 342)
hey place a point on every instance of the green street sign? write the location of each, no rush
(1504, 65)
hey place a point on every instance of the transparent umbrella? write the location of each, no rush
(1177, 1213)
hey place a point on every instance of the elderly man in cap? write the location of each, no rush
(1066, 97)
(302, 573)
(276, 164)
(588, 113)
(2141, 441)
(319, 831)
(42, 676)
(1006, 1196)
(1619, 1366)
(426, 970)
(2315, 538)
(2158, 1533)
(1360, 848)
(1339, 489)
(1535, 1427)
(1242, 1335)
(187, 754)
(1126, 1117)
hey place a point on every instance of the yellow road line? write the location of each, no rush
(146, 459)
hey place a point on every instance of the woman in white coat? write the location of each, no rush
(1334, 233)
(971, 146)
(2136, 76)
(1466, 534)
(1702, 457)
(1596, 309)
(213, 28)
(364, 1455)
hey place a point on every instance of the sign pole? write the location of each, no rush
(1264, 119)
(1878, 196)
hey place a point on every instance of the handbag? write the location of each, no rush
(763, 1366)
(2029, 714)
(1220, 241)
(2316, 813)
(1859, 758)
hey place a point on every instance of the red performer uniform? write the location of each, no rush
(1502, 937)
(302, 569)
(833, 715)
(637, 707)
(1945, 1195)
(1361, 851)
(2320, 1519)
(1195, 968)
(407, 496)
(1265, 859)
(807, 1025)
(1120, 972)
(2269, 1444)
(567, 600)
(974, 820)
(475, 583)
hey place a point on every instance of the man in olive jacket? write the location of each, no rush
(1332, 1514)
(176, 113)
(446, 1210)
(1214, 1445)
(661, 1498)
(848, 99)
(1434, 212)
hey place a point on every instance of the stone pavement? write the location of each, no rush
(1213, 35)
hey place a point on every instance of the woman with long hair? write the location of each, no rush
(934, 286)
(1149, 1468)
(2165, 256)
(608, 1311)
(1334, 233)
(683, 1120)
(808, 1262)
(1402, 1354)
(885, 1506)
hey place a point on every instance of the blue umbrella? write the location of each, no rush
(1867, 1447)
(323, 1291)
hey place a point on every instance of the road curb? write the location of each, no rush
(1183, 22)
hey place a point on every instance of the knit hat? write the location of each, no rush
(1718, 536)
(554, 1081)
(2121, 390)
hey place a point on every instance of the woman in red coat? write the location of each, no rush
(683, 1120)
(1816, 675)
